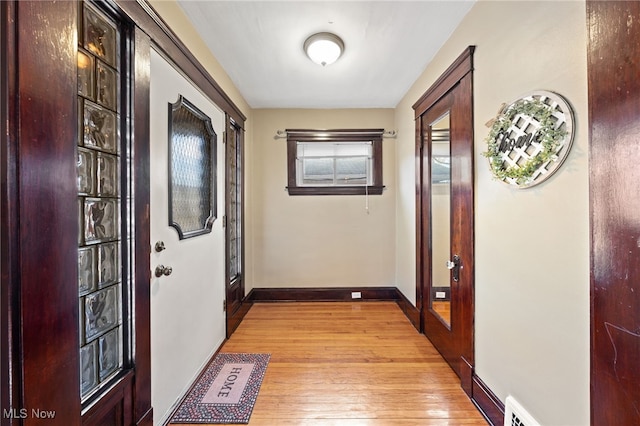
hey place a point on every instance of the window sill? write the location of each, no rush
(333, 190)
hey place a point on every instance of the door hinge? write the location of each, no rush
(224, 221)
(224, 306)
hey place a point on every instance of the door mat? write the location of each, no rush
(226, 392)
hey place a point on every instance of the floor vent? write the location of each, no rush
(515, 415)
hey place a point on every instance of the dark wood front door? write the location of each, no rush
(614, 121)
(445, 216)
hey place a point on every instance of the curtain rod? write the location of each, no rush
(282, 134)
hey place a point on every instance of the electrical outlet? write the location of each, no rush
(356, 295)
(441, 295)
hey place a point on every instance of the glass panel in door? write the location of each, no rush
(441, 217)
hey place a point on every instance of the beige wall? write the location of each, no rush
(532, 246)
(318, 241)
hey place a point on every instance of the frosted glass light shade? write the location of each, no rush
(324, 48)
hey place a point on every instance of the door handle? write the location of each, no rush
(454, 266)
(163, 270)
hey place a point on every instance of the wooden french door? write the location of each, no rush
(445, 258)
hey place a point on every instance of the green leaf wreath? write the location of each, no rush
(550, 138)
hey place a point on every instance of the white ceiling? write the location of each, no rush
(388, 44)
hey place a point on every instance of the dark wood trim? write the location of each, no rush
(114, 406)
(342, 294)
(410, 311)
(324, 294)
(334, 135)
(456, 71)
(146, 419)
(421, 195)
(234, 320)
(45, 185)
(142, 266)
(147, 19)
(487, 402)
(466, 376)
(342, 190)
(614, 202)
(11, 388)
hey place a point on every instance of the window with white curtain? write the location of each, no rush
(334, 162)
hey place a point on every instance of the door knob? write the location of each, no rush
(163, 270)
(454, 266)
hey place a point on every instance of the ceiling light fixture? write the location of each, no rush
(324, 48)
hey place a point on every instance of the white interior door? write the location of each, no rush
(187, 318)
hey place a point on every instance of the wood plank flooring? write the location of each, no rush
(348, 364)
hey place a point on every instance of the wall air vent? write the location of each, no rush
(515, 415)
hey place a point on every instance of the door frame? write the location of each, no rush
(614, 244)
(458, 76)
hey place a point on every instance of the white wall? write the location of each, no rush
(318, 241)
(187, 320)
(532, 246)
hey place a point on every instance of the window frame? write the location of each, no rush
(331, 136)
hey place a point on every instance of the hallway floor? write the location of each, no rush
(349, 364)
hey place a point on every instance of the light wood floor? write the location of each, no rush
(348, 364)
